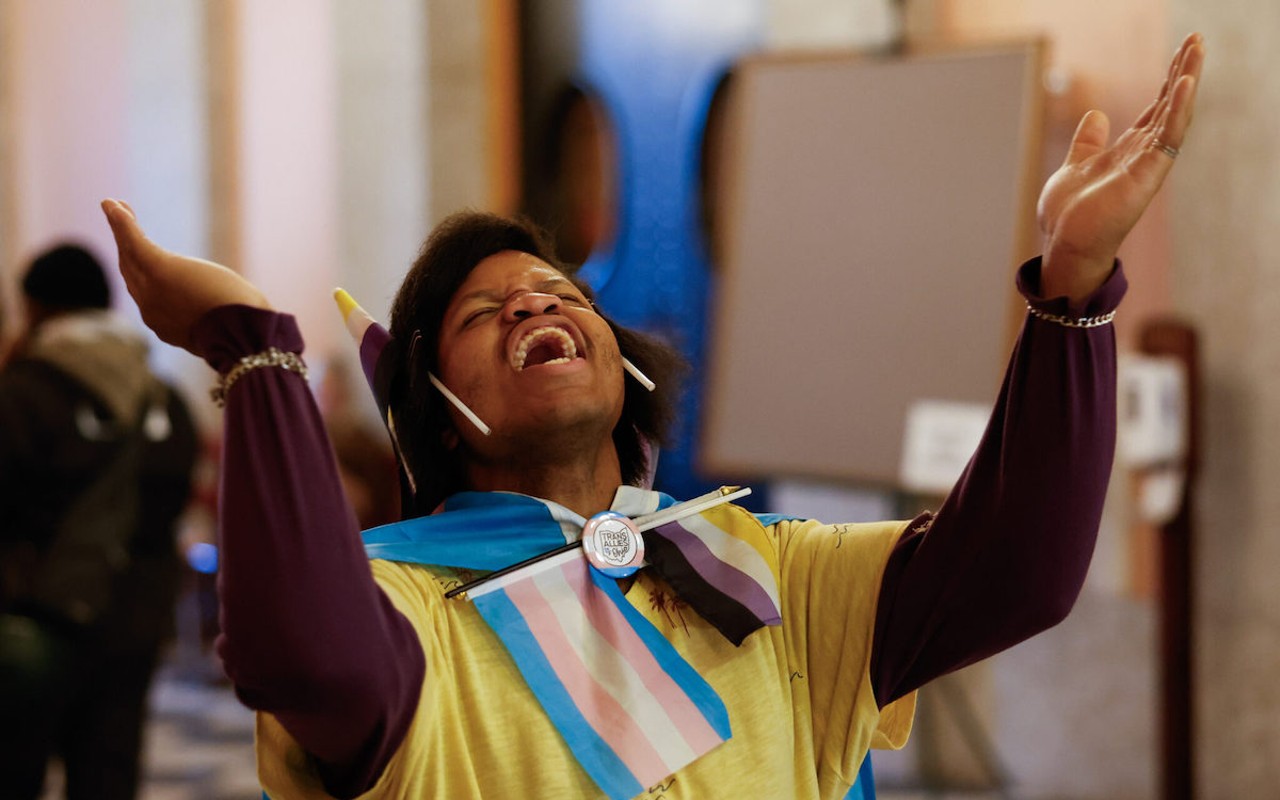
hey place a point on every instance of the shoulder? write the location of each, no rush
(35, 397)
(836, 535)
(418, 590)
(779, 539)
(409, 579)
(813, 551)
(25, 374)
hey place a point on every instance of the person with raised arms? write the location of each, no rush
(683, 650)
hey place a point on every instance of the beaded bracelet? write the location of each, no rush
(1068, 322)
(271, 357)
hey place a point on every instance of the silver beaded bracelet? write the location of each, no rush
(1069, 322)
(271, 357)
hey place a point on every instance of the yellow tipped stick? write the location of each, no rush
(358, 321)
(356, 318)
(346, 303)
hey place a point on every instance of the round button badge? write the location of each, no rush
(613, 544)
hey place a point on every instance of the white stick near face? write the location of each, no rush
(638, 375)
(458, 404)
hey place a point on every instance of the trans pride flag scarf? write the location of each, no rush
(630, 708)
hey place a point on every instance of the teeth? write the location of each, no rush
(532, 338)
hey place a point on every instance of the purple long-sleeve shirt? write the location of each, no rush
(1004, 557)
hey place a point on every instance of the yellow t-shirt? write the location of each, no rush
(799, 694)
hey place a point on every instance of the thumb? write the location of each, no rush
(1090, 136)
(123, 222)
(130, 239)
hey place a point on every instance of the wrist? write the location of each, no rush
(226, 334)
(271, 357)
(1073, 275)
(1105, 299)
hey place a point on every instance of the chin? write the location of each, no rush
(550, 418)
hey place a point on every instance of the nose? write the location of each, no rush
(530, 304)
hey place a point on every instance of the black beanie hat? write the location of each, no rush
(67, 277)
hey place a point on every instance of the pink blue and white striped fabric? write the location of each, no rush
(631, 710)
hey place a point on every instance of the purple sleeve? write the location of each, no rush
(1006, 555)
(306, 633)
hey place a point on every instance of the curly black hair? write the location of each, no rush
(420, 415)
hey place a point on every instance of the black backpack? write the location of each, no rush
(72, 579)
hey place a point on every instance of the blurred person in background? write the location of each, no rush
(96, 456)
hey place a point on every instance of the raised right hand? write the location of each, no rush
(172, 291)
(1092, 202)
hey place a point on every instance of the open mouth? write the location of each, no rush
(545, 345)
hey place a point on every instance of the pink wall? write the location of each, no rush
(287, 202)
(85, 117)
(66, 70)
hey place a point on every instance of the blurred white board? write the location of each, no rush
(877, 211)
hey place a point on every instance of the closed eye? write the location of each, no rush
(478, 313)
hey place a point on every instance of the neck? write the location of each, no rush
(583, 482)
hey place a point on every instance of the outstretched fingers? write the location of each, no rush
(1162, 143)
(1171, 127)
(1158, 142)
(1091, 137)
(1171, 77)
(1148, 147)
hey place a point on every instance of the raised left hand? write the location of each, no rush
(172, 290)
(1096, 197)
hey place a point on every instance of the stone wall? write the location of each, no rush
(1226, 278)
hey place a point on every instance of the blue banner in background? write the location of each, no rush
(654, 68)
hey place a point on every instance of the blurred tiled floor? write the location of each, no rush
(199, 743)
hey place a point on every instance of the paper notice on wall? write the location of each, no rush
(1152, 415)
(938, 441)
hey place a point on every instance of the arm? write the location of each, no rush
(1006, 555)
(307, 635)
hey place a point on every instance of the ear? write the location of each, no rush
(450, 438)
